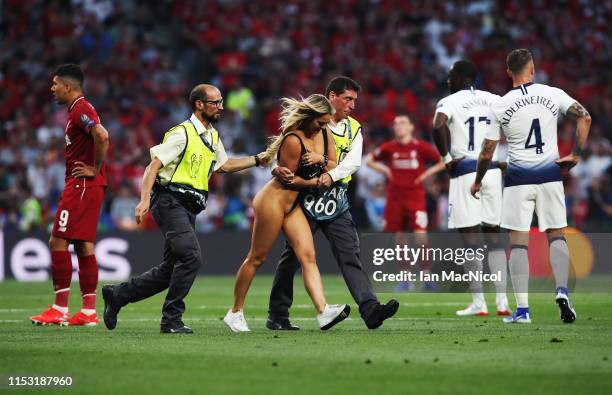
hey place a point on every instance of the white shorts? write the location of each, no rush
(547, 199)
(465, 211)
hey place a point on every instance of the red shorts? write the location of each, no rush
(405, 213)
(78, 212)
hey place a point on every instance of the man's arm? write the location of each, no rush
(101, 142)
(351, 162)
(148, 179)
(440, 133)
(440, 137)
(233, 165)
(583, 124)
(161, 155)
(438, 167)
(484, 161)
(379, 167)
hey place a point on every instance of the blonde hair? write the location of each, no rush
(293, 114)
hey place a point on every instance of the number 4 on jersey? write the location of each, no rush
(535, 130)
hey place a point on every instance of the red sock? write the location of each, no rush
(88, 280)
(61, 271)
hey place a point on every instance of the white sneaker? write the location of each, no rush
(333, 314)
(473, 309)
(236, 321)
(503, 307)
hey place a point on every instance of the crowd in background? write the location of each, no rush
(141, 58)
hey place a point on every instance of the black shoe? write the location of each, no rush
(111, 307)
(281, 324)
(181, 329)
(568, 314)
(381, 312)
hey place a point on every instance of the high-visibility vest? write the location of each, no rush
(344, 141)
(197, 159)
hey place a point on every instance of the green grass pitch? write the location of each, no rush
(424, 349)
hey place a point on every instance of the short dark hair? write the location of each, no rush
(517, 59)
(465, 69)
(71, 70)
(340, 84)
(197, 93)
(403, 114)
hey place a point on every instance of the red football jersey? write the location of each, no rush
(406, 161)
(79, 141)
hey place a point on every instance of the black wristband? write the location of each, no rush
(257, 160)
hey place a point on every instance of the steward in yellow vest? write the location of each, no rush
(188, 174)
(180, 169)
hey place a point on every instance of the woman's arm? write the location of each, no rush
(378, 166)
(331, 151)
(289, 153)
(313, 158)
(300, 183)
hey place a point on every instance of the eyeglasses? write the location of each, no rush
(217, 103)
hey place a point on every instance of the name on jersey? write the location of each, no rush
(526, 101)
(478, 102)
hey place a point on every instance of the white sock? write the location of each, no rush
(559, 260)
(498, 263)
(478, 299)
(88, 311)
(474, 266)
(501, 298)
(522, 299)
(63, 310)
(519, 273)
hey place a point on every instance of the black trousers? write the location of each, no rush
(182, 260)
(342, 236)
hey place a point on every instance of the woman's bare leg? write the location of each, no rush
(299, 235)
(268, 221)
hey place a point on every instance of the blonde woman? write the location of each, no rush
(306, 147)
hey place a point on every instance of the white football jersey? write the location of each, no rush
(468, 112)
(527, 115)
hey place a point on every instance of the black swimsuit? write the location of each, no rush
(307, 172)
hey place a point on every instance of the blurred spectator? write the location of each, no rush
(37, 178)
(595, 162)
(600, 209)
(375, 206)
(123, 208)
(140, 58)
(371, 189)
(48, 131)
(30, 213)
(241, 101)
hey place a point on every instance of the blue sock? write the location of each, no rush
(522, 310)
(562, 290)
